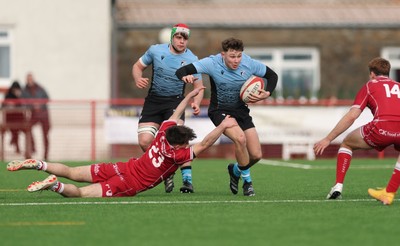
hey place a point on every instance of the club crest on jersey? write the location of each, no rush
(162, 57)
(222, 72)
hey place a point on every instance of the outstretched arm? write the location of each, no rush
(213, 136)
(185, 74)
(344, 124)
(182, 106)
(195, 105)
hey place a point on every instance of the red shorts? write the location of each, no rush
(382, 134)
(113, 178)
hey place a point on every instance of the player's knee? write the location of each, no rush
(345, 145)
(144, 144)
(146, 136)
(240, 139)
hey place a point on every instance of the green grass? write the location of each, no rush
(289, 209)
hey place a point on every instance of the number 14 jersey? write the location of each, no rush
(382, 96)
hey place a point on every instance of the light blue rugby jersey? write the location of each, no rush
(225, 82)
(165, 64)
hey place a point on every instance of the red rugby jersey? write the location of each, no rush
(382, 96)
(159, 161)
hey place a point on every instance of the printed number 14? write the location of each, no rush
(394, 91)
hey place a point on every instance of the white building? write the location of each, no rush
(66, 44)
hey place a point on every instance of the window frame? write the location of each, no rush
(278, 64)
(7, 42)
(386, 53)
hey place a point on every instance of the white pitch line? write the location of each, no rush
(284, 164)
(177, 202)
(307, 166)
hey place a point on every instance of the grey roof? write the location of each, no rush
(257, 13)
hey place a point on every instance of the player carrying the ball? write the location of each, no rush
(228, 71)
(382, 96)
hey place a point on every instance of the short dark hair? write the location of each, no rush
(232, 43)
(379, 66)
(179, 135)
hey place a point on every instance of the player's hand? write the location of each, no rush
(196, 108)
(321, 145)
(142, 83)
(229, 122)
(258, 96)
(189, 79)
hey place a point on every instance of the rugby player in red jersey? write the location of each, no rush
(382, 96)
(167, 152)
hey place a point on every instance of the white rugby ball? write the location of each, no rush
(252, 85)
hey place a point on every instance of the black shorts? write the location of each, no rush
(242, 116)
(157, 109)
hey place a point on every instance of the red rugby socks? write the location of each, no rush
(342, 164)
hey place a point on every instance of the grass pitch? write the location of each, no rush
(289, 209)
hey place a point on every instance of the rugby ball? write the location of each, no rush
(252, 85)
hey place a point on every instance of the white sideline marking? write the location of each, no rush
(306, 166)
(178, 202)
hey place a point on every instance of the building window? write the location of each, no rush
(298, 70)
(392, 54)
(5, 57)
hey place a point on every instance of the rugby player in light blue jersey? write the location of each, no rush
(228, 71)
(166, 92)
